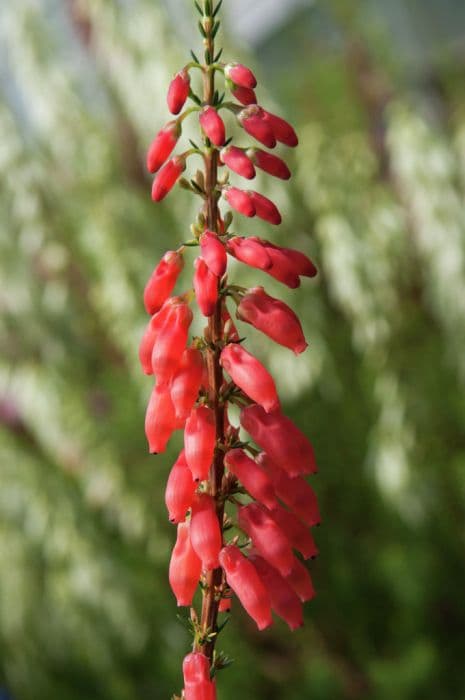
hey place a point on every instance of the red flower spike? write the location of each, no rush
(240, 75)
(148, 339)
(245, 96)
(185, 384)
(205, 287)
(294, 492)
(253, 122)
(205, 532)
(282, 130)
(273, 317)
(162, 146)
(243, 579)
(167, 178)
(280, 438)
(180, 489)
(267, 537)
(213, 252)
(162, 281)
(297, 533)
(250, 376)
(265, 208)
(270, 163)
(212, 125)
(185, 567)
(171, 342)
(301, 582)
(178, 91)
(239, 200)
(160, 420)
(199, 441)
(250, 251)
(237, 161)
(252, 477)
(284, 600)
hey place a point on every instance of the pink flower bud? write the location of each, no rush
(243, 579)
(240, 75)
(185, 567)
(212, 125)
(298, 535)
(205, 532)
(250, 251)
(178, 91)
(148, 339)
(253, 122)
(294, 492)
(267, 537)
(239, 200)
(197, 683)
(265, 209)
(185, 383)
(282, 130)
(281, 439)
(300, 580)
(202, 690)
(252, 477)
(245, 96)
(160, 420)
(171, 341)
(284, 600)
(272, 317)
(162, 146)
(167, 178)
(205, 287)
(269, 163)
(237, 161)
(250, 376)
(199, 441)
(162, 281)
(180, 489)
(213, 252)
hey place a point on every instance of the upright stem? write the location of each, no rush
(214, 579)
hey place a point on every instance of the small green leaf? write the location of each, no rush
(217, 8)
(218, 56)
(216, 26)
(199, 9)
(202, 30)
(194, 56)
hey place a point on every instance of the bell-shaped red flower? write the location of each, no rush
(205, 532)
(273, 317)
(252, 119)
(296, 532)
(213, 252)
(270, 163)
(150, 334)
(243, 579)
(267, 537)
(160, 419)
(162, 146)
(281, 439)
(180, 489)
(197, 683)
(250, 251)
(240, 75)
(178, 91)
(171, 341)
(237, 161)
(284, 600)
(265, 208)
(250, 376)
(185, 567)
(252, 477)
(162, 281)
(282, 130)
(301, 582)
(199, 441)
(167, 177)
(239, 200)
(205, 287)
(212, 125)
(245, 96)
(185, 384)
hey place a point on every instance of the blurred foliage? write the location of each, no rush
(378, 201)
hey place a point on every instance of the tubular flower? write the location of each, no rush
(185, 567)
(240, 513)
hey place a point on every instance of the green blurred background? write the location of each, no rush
(377, 92)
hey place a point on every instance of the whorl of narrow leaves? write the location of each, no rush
(241, 512)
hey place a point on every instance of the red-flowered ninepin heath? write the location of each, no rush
(241, 503)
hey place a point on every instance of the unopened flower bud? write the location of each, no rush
(212, 125)
(180, 489)
(162, 146)
(205, 532)
(282, 130)
(239, 200)
(178, 91)
(237, 161)
(284, 600)
(160, 419)
(197, 683)
(185, 567)
(171, 342)
(267, 537)
(250, 376)
(199, 441)
(245, 96)
(213, 252)
(252, 477)
(162, 281)
(265, 208)
(243, 579)
(270, 163)
(167, 177)
(253, 122)
(205, 286)
(240, 75)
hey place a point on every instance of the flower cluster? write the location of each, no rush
(243, 509)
